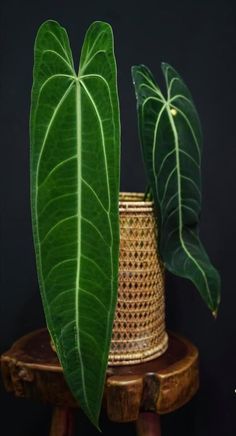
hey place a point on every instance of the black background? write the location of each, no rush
(199, 39)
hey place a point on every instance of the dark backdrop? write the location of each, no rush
(199, 39)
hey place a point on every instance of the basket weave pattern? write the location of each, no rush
(139, 326)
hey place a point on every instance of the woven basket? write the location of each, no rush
(139, 326)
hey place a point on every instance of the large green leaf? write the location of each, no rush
(172, 142)
(75, 151)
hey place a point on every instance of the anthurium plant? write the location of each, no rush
(75, 161)
(75, 174)
(171, 138)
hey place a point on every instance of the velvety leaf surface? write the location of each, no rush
(75, 152)
(171, 140)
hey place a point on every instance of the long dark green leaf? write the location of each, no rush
(75, 148)
(172, 142)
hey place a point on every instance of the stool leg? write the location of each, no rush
(148, 424)
(62, 422)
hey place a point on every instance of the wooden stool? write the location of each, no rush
(137, 393)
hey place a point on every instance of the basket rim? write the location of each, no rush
(134, 201)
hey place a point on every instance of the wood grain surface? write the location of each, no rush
(31, 369)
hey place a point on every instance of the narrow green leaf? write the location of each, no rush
(75, 153)
(171, 140)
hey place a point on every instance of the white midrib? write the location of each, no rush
(79, 178)
(175, 133)
(109, 201)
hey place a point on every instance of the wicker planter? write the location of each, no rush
(139, 331)
(139, 326)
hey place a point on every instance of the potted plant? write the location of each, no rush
(75, 167)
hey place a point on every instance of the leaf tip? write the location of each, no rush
(95, 421)
(103, 25)
(48, 23)
(215, 313)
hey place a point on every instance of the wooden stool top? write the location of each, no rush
(31, 369)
